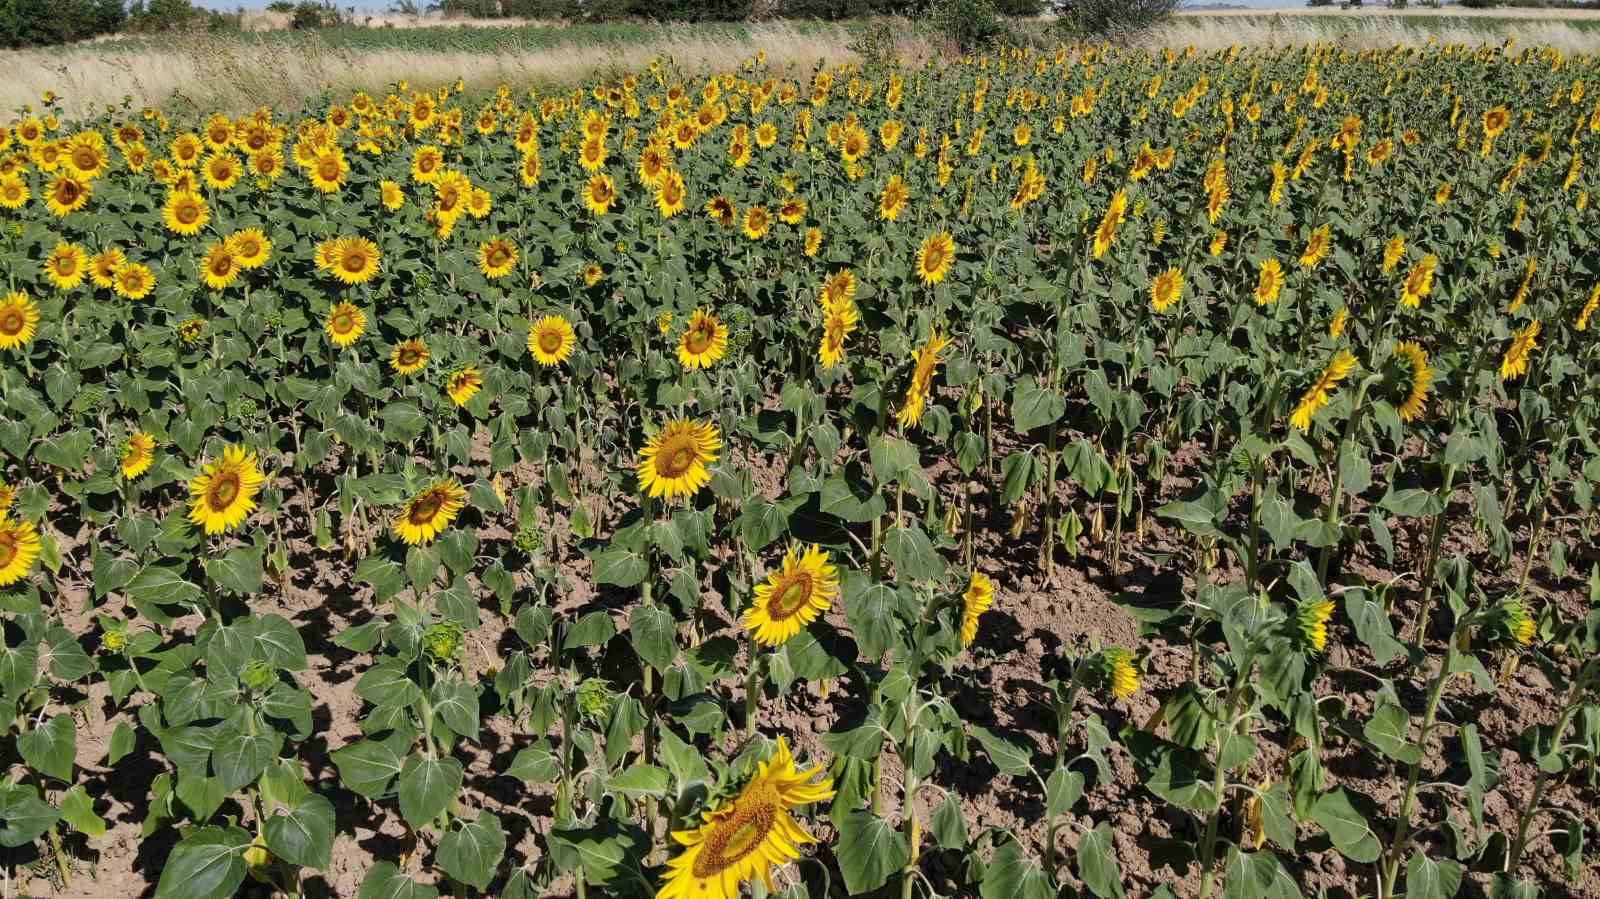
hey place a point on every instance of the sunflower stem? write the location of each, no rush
(1573, 703)
(1402, 824)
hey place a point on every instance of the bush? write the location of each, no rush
(966, 23)
(1111, 18)
(170, 15)
(312, 14)
(30, 23)
(541, 9)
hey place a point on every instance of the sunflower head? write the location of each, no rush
(223, 494)
(464, 385)
(703, 342)
(138, 451)
(674, 462)
(551, 340)
(1118, 668)
(19, 548)
(345, 324)
(427, 514)
(1311, 624)
(792, 597)
(409, 357)
(935, 257)
(977, 599)
(19, 320)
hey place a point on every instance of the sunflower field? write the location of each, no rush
(1078, 472)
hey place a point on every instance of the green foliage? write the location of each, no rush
(966, 24)
(28, 23)
(1119, 18)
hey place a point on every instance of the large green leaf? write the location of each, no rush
(869, 850)
(426, 787)
(471, 852)
(51, 747)
(385, 881)
(207, 864)
(303, 835)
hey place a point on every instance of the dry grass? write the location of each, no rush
(1369, 30)
(1453, 12)
(218, 72)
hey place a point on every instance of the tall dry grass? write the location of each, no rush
(1368, 31)
(206, 71)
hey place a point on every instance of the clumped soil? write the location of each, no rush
(999, 684)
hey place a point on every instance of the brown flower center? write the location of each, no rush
(425, 507)
(343, 323)
(697, 339)
(409, 356)
(222, 491)
(795, 593)
(12, 322)
(187, 213)
(9, 549)
(354, 261)
(736, 838)
(550, 340)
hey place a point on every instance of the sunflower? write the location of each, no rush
(1166, 289)
(427, 162)
(1219, 242)
(839, 320)
(66, 266)
(133, 281)
(104, 264)
(345, 325)
(185, 212)
(1311, 622)
(191, 330)
(464, 385)
(1589, 309)
(599, 193)
(721, 210)
(19, 320)
(327, 172)
(66, 195)
(1523, 343)
(757, 222)
(792, 597)
(221, 171)
(974, 602)
(19, 547)
(839, 288)
(353, 260)
(592, 274)
(1421, 378)
(222, 496)
(1521, 296)
(1419, 283)
(250, 248)
(744, 838)
(409, 357)
(1117, 664)
(926, 361)
(670, 194)
(1511, 619)
(1339, 368)
(220, 267)
(1495, 121)
(704, 341)
(14, 193)
(1393, 252)
(137, 454)
(390, 194)
(551, 340)
(813, 242)
(497, 257)
(426, 515)
(893, 199)
(673, 462)
(1270, 282)
(1317, 247)
(935, 257)
(1115, 213)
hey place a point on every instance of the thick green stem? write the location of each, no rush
(1336, 493)
(1219, 784)
(1531, 810)
(1402, 825)
(1435, 537)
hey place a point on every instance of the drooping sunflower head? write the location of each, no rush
(1495, 121)
(742, 839)
(345, 324)
(1117, 665)
(1413, 381)
(138, 451)
(792, 597)
(1317, 247)
(813, 242)
(893, 199)
(426, 515)
(192, 330)
(974, 602)
(1515, 362)
(839, 288)
(551, 340)
(497, 257)
(703, 342)
(224, 493)
(19, 548)
(66, 194)
(599, 193)
(103, 266)
(720, 209)
(674, 462)
(1393, 252)
(1512, 622)
(1311, 623)
(464, 385)
(671, 195)
(1316, 396)
(409, 357)
(19, 320)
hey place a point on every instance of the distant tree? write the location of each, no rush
(1110, 18)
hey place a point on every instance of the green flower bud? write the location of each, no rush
(259, 676)
(443, 640)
